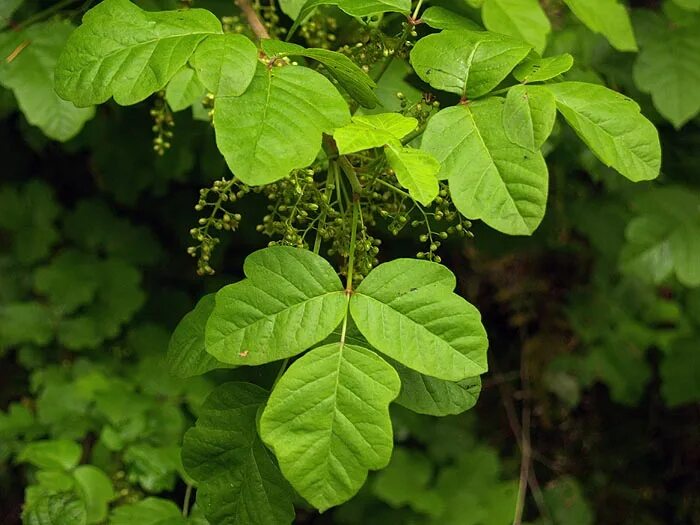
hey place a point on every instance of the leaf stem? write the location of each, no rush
(351, 175)
(186, 503)
(414, 16)
(353, 242)
(253, 19)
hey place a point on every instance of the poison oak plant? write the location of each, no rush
(310, 129)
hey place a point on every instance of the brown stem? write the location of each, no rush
(253, 19)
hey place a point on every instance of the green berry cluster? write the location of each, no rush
(217, 201)
(163, 122)
(298, 203)
(319, 31)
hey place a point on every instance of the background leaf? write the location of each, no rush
(238, 483)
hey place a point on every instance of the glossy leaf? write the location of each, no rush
(468, 63)
(373, 131)
(276, 125)
(421, 324)
(441, 18)
(523, 19)
(612, 127)
(490, 178)
(350, 77)
(607, 17)
(328, 423)
(238, 482)
(541, 69)
(436, 397)
(291, 300)
(30, 75)
(124, 52)
(415, 170)
(226, 63)
(187, 355)
(184, 89)
(528, 115)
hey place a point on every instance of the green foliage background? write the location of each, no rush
(594, 321)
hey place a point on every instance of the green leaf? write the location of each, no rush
(607, 17)
(29, 213)
(528, 115)
(665, 237)
(69, 281)
(25, 323)
(540, 69)
(238, 482)
(351, 7)
(96, 491)
(436, 397)
(406, 310)
(374, 7)
(468, 63)
(415, 170)
(276, 125)
(690, 5)
(353, 79)
(441, 18)
(187, 355)
(405, 481)
(154, 468)
(490, 178)
(328, 423)
(149, 511)
(184, 89)
(612, 127)
(523, 19)
(668, 68)
(124, 52)
(372, 131)
(291, 300)
(680, 373)
(51, 454)
(54, 509)
(30, 75)
(226, 64)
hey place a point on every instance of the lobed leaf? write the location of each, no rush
(238, 482)
(612, 127)
(419, 321)
(226, 63)
(291, 300)
(528, 116)
(372, 131)
(540, 69)
(468, 63)
(490, 177)
(523, 19)
(187, 355)
(415, 170)
(328, 423)
(276, 125)
(30, 75)
(124, 52)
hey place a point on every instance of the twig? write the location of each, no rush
(253, 19)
